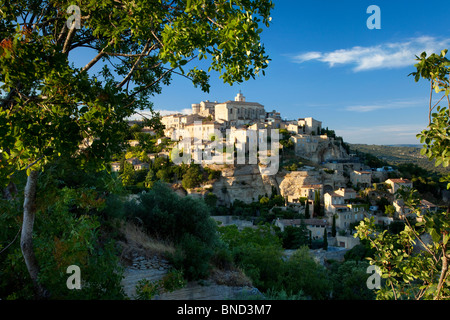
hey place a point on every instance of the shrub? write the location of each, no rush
(169, 216)
(192, 178)
(62, 239)
(193, 257)
(147, 289)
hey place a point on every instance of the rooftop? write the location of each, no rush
(399, 180)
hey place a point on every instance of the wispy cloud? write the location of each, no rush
(162, 112)
(386, 55)
(393, 104)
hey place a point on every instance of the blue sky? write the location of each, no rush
(328, 65)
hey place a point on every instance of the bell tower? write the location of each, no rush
(240, 97)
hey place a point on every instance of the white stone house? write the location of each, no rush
(361, 178)
(310, 125)
(398, 183)
(308, 191)
(115, 166)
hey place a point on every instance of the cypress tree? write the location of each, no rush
(333, 227)
(325, 240)
(317, 207)
(307, 215)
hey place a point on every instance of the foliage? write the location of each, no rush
(349, 281)
(301, 272)
(307, 214)
(295, 237)
(333, 226)
(359, 252)
(192, 178)
(317, 205)
(62, 239)
(147, 289)
(57, 105)
(257, 251)
(211, 199)
(169, 216)
(51, 108)
(325, 239)
(411, 268)
(193, 256)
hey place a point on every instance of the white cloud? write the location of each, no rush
(168, 112)
(387, 55)
(162, 112)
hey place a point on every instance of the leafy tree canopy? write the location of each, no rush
(49, 105)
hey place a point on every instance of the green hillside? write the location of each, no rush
(396, 155)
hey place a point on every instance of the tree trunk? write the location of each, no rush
(26, 239)
(442, 277)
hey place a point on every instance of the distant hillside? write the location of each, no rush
(398, 154)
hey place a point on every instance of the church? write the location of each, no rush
(229, 111)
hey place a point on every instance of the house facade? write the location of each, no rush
(361, 178)
(398, 183)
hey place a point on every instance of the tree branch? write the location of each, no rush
(96, 58)
(444, 273)
(68, 40)
(136, 63)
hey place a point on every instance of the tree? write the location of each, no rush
(128, 175)
(436, 69)
(295, 237)
(51, 108)
(411, 268)
(307, 214)
(333, 226)
(150, 179)
(325, 239)
(192, 178)
(317, 205)
(389, 210)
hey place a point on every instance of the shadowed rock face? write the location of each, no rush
(246, 183)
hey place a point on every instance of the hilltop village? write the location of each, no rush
(319, 183)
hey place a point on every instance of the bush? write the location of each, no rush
(61, 239)
(192, 178)
(169, 216)
(147, 289)
(193, 257)
(349, 281)
(302, 274)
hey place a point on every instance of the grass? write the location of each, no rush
(136, 240)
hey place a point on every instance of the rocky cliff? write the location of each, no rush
(246, 183)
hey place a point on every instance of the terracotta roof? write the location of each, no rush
(334, 194)
(242, 103)
(399, 180)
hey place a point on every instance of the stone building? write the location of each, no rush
(361, 178)
(398, 183)
(310, 126)
(229, 111)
